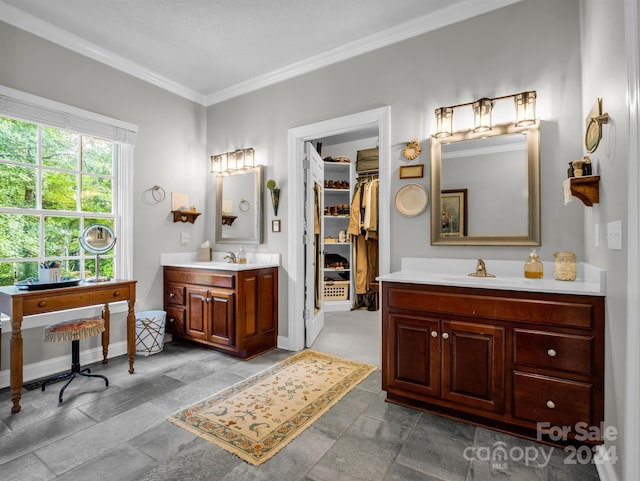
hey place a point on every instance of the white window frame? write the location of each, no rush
(31, 108)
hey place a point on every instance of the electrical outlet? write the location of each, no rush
(596, 235)
(614, 235)
(185, 237)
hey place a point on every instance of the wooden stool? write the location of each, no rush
(73, 331)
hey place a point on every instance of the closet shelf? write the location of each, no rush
(586, 189)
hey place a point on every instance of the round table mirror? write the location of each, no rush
(97, 239)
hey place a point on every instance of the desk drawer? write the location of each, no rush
(554, 351)
(560, 402)
(70, 300)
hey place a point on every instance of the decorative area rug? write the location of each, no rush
(257, 417)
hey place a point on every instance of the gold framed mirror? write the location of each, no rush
(496, 176)
(239, 207)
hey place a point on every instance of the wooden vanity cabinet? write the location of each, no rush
(504, 359)
(235, 312)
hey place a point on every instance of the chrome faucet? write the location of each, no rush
(481, 270)
(231, 257)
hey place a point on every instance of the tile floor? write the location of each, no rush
(121, 433)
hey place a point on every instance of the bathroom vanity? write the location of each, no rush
(504, 352)
(229, 307)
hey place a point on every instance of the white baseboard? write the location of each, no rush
(54, 365)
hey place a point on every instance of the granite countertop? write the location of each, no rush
(590, 280)
(188, 260)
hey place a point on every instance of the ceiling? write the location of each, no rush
(212, 50)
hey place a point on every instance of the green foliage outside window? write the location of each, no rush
(50, 180)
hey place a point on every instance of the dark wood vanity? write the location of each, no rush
(503, 359)
(235, 312)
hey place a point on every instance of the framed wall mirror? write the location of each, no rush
(485, 187)
(239, 207)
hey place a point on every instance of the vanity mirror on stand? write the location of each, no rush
(239, 209)
(97, 239)
(485, 187)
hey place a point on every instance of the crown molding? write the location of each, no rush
(452, 14)
(27, 22)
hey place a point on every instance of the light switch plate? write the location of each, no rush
(614, 235)
(596, 235)
(185, 238)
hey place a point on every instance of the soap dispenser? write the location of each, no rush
(242, 256)
(533, 268)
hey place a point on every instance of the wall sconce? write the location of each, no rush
(231, 161)
(525, 104)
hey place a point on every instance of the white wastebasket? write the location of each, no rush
(150, 327)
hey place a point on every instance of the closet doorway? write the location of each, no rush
(370, 124)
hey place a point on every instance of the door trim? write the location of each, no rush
(296, 139)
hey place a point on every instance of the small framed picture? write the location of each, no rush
(412, 171)
(275, 225)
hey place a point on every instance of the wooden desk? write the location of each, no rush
(18, 304)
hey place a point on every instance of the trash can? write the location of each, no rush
(150, 327)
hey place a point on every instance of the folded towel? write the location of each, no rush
(566, 185)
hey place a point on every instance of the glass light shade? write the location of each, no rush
(482, 115)
(444, 121)
(231, 161)
(249, 158)
(239, 156)
(216, 164)
(525, 108)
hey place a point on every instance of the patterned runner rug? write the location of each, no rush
(257, 417)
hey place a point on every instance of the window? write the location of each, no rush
(53, 183)
(61, 169)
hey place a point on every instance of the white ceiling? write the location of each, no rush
(212, 50)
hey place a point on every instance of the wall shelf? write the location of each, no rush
(586, 189)
(185, 216)
(228, 219)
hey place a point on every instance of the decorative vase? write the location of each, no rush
(275, 200)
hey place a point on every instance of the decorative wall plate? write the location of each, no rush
(411, 200)
(412, 150)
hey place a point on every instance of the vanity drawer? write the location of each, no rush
(174, 294)
(200, 276)
(546, 399)
(566, 352)
(176, 320)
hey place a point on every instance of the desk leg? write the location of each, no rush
(106, 316)
(131, 334)
(16, 362)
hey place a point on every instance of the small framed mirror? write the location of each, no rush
(239, 207)
(485, 187)
(97, 239)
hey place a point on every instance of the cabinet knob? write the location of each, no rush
(172, 319)
(445, 335)
(434, 333)
(551, 404)
(172, 294)
(42, 303)
(116, 294)
(552, 353)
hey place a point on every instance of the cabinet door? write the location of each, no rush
(197, 300)
(221, 325)
(414, 354)
(473, 358)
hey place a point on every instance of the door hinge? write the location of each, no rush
(304, 239)
(305, 162)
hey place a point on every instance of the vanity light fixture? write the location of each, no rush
(525, 104)
(232, 161)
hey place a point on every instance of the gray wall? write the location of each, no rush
(604, 74)
(170, 151)
(496, 54)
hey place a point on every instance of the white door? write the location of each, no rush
(313, 226)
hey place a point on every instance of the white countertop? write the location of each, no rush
(188, 259)
(590, 280)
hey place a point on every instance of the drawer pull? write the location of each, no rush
(445, 335)
(172, 295)
(552, 353)
(434, 333)
(42, 303)
(551, 404)
(116, 294)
